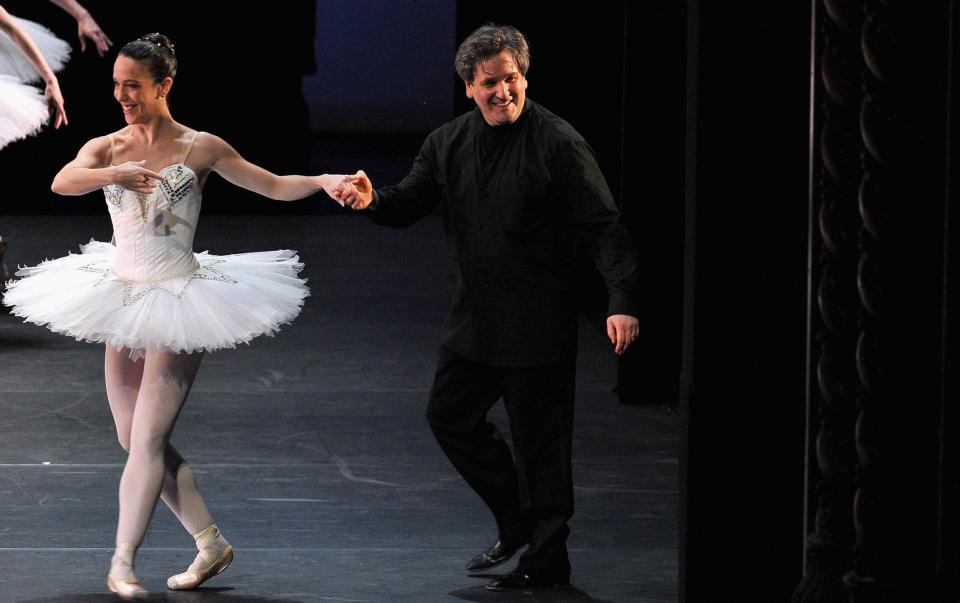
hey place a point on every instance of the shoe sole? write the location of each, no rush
(496, 589)
(489, 567)
(114, 587)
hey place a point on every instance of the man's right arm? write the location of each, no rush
(404, 203)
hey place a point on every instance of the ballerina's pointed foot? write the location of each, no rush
(192, 579)
(128, 589)
(121, 579)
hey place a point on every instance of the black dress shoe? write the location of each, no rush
(520, 579)
(492, 557)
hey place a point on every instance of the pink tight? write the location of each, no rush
(145, 398)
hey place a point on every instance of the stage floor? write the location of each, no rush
(311, 448)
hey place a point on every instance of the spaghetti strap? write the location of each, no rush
(113, 237)
(196, 135)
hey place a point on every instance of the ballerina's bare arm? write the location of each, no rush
(91, 171)
(224, 160)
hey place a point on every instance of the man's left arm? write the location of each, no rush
(595, 218)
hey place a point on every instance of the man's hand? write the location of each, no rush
(355, 191)
(622, 330)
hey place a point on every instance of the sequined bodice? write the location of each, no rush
(154, 233)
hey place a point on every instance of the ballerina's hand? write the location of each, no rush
(332, 185)
(340, 187)
(55, 102)
(134, 177)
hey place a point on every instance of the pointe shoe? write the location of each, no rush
(126, 589)
(191, 580)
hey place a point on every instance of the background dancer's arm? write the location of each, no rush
(87, 27)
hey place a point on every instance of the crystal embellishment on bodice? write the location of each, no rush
(113, 193)
(176, 184)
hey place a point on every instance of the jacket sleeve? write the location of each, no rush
(415, 196)
(596, 220)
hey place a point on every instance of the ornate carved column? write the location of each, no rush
(876, 338)
(835, 225)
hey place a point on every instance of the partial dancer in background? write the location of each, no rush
(155, 303)
(28, 53)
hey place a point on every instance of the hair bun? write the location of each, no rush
(160, 40)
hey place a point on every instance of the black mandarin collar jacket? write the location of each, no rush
(517, 200)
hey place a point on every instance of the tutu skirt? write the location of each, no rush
(229, 299)
(14, 62)
(23, 110)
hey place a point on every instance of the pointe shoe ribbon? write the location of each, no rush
(191, 580)
(126, 589)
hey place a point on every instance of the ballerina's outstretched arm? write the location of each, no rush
(224, 160)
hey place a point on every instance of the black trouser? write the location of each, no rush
(532, 498)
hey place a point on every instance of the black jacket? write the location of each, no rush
(517, 200)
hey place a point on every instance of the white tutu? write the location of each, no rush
(23, 110)
(229, 299)
(14, 62)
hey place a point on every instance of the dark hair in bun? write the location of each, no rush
(157, 52)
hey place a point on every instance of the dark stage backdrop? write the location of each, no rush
(318, 85)
(344, 85)
(382, 66)
(264, 80)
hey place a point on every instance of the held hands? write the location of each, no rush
(622, 330)
(87, 28)
(55, 102)
(134, 177)
(355, 191)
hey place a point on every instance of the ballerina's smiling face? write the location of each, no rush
(134, 88)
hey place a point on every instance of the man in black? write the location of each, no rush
(520, 190)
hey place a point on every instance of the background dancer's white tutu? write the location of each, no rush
(229, 299)
(14, 62)
(23, 110)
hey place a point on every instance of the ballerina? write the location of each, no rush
(156, 304)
